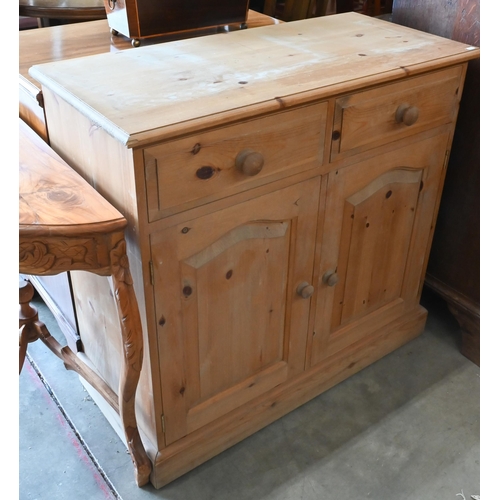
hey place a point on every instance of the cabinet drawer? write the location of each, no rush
(185, 173)
(385, 114)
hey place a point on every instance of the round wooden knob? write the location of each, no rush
(305, 290)
(330, 278)
(406, 114)
(249, 162)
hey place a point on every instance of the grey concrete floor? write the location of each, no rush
(404, 428)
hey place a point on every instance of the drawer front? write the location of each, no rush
(189, 172)
(385, 114)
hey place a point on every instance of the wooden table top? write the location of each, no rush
(217, 79)
(53, 199)
(63, 9)
(84, 39)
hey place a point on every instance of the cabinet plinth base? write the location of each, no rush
(198, 447)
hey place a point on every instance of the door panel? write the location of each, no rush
(230, 323)
(377, 231)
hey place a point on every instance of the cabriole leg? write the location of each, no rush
(131, 329)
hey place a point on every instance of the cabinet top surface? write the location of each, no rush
(154, 92)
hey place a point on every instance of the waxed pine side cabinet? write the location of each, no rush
(281, 186)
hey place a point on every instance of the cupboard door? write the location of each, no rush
(378, 226)
(230, 322)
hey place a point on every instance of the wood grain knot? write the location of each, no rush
(205, 173)
(60, 195)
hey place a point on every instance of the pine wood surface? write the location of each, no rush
(379, 217)
(228, 76)
(84, 39)
(288, 142)
(253, 262)
(368, 117)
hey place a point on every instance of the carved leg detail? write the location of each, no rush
(28, 316)
(131, 329)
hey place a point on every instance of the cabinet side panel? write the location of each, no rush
(109, 167)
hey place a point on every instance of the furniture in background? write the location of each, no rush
(56, 12)
(145, 19)
(293, 10)
(454, 262)
(281, 187)
(65, 225)
(28, 23)
(369, 7)
(377, 7)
